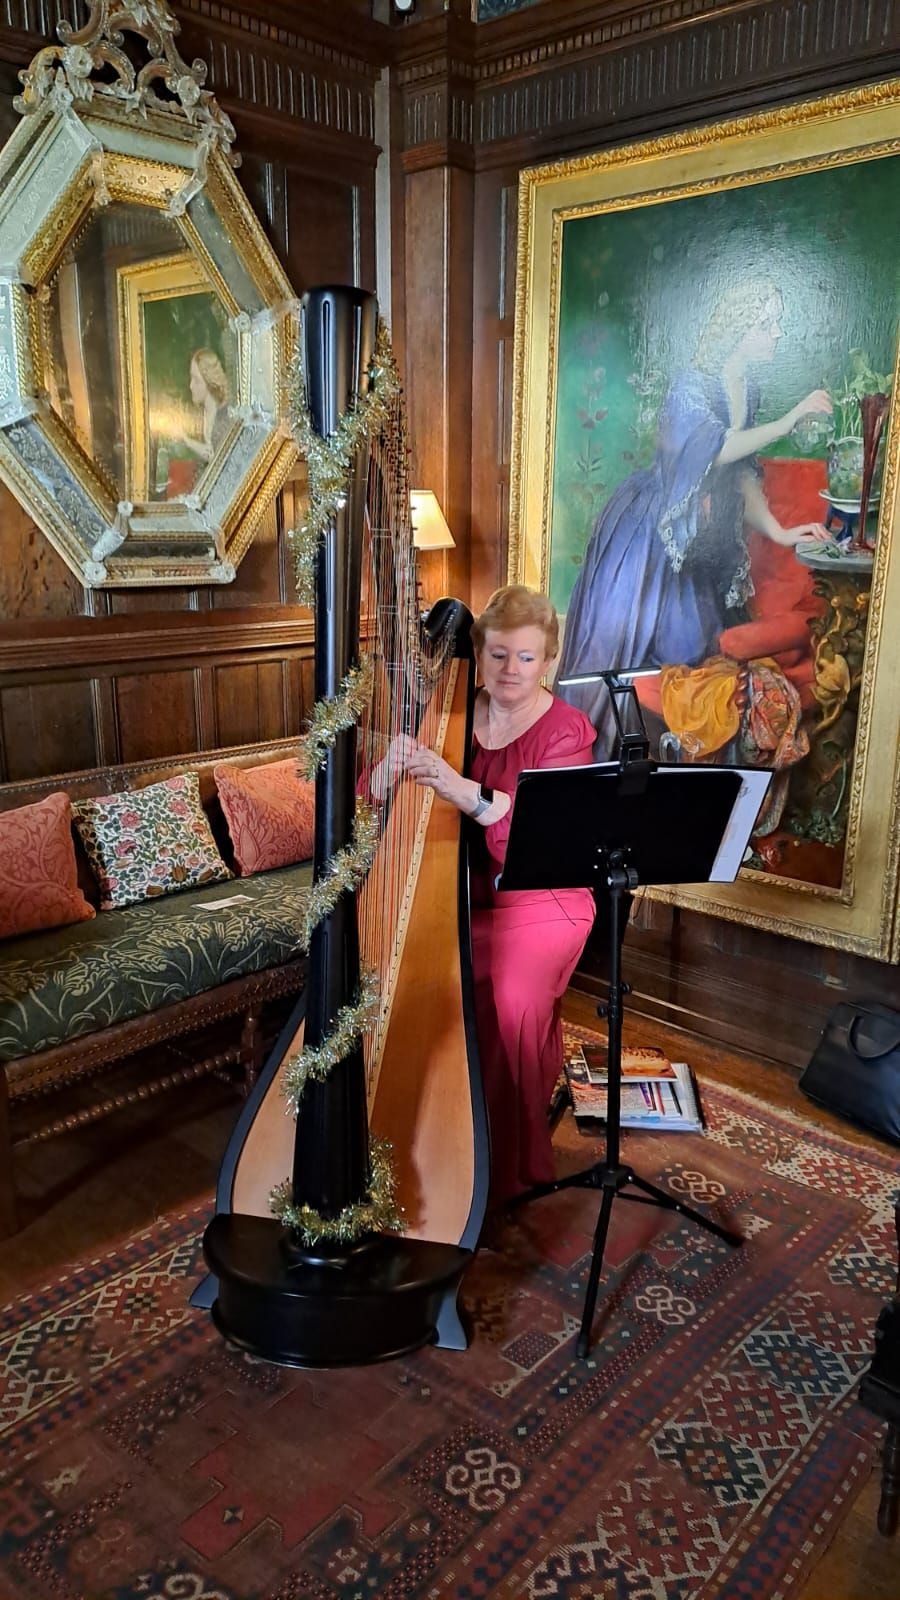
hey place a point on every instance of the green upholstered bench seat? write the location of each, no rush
(61, 985)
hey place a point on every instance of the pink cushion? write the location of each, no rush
(38, 870)
(270, 813)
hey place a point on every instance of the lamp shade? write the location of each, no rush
(430, 531)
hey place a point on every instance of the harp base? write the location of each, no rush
(380, 1301)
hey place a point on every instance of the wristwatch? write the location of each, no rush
(485, 799)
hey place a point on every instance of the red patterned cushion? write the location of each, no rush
(38, 870)
(270, 813)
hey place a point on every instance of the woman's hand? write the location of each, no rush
(818, 403)
(197, 447)
(392, 765)
(804, 530)
(431, 771)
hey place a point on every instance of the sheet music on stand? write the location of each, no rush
(690, 824)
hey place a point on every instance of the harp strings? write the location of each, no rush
(410, 675)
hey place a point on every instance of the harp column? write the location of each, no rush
(331, 1148)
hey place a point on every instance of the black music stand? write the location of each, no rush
(615, 827)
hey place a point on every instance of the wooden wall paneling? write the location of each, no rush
(438, 339)
(396, 222)
(157, 714)
(34, 580)
(46, 728)
(137, 602)
(258, 581)
(9, 88)
(496, 195)
(457, 499)
(298, 692)
(752, 991)
(270, 703)
(437, 186)
(289, 509)
(82, 696)
(107, 733)
(323, 217)
(266, 181)
(237, 697)
(556, 80)
(206, 710)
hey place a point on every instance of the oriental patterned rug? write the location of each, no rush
(708, 1447)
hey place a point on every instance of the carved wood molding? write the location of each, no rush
(294, 62)
(538, 77)
(98, 644)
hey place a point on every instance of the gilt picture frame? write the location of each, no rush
(706, 326)
(169, 313)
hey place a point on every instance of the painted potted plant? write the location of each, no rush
(846, 461)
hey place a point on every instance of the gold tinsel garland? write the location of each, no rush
(332, 716)
(329, 461)
(346, 870)
(379, 1212)
(317, 1061)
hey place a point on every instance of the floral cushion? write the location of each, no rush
(38, 871)
(270, 812)
(149, 842)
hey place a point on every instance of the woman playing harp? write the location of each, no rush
(525, 944)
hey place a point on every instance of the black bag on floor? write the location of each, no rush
(855, 1068)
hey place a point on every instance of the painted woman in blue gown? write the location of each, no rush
(667, 569)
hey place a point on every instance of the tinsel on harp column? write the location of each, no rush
(349, 1026)
(378, 1213)
(346, 870)
(329, 461)
(329, 464)
(333, 715)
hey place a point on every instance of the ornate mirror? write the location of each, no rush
(145, 323)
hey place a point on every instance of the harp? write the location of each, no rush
(413, 1081)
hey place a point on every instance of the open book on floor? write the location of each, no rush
(663, 1097)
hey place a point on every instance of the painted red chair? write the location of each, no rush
(783, 601)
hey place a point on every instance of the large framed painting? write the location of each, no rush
(705, 476)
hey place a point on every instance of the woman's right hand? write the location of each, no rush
(392, 765)
(818, 403)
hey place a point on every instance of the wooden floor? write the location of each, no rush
(83, 1192)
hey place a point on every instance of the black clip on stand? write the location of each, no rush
(611, 1176)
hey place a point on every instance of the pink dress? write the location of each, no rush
(525, 947)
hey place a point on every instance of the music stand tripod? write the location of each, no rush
(620, 826)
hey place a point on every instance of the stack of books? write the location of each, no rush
(656, 1092)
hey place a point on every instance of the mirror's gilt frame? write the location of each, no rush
(95, 131)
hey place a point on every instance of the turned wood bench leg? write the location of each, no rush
(251, 1049)
(9, 1220)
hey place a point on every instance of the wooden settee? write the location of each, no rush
(78, 1001)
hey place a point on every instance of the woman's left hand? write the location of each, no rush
(431, 771)
(804, 530)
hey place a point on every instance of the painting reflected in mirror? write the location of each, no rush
(141, 355)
